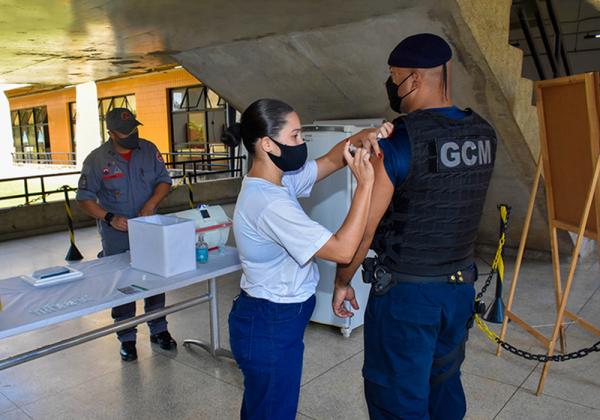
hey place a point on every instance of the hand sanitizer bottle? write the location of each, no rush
(201, 250)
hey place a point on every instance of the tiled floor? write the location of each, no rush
(91, 382)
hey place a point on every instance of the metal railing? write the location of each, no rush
(27, 187)
(191, 151)
(203, 164)
(557, 55)
(34, 188)
(45, 158)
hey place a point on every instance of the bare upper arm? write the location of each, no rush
(383, 191)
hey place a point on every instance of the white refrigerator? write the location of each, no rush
(329, 204)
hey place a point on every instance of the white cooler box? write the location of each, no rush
(163, 245)
(211, 222)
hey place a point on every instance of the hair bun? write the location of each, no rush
(232, 136)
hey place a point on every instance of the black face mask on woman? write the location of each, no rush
(130, 142)
(392, 92)
(292, 157)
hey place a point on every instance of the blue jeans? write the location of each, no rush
(405, 330)
(266, 339)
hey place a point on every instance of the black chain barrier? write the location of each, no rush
(543, 358)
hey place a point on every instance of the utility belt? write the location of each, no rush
(383, 279)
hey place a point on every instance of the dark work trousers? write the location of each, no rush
(115, 242)
(405, 329)
(267, 341)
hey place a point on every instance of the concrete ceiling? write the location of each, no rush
(62, 42)
(578, 19)
(327, 58)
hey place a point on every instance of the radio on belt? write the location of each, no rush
(211, 222)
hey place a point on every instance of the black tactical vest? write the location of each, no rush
(431, 224)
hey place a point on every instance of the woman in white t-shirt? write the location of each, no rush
(277, 241)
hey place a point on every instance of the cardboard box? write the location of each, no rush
(163, 245)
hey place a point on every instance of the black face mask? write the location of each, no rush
(130, 142)
(392, 92)
(292, 157)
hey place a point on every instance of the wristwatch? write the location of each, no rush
(108, 217)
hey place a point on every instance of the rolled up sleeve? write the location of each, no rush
(162, 175)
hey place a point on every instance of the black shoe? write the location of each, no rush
(164, 339)
(128, 351)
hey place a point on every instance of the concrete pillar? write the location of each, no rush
(87, 132)
(6, 136)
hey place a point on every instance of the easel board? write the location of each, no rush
(568, 150)
(569, 116)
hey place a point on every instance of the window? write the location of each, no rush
(198, 118)
(107, 104)
(73, 121)
(31, 137)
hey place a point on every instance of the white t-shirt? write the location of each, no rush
(276, 239)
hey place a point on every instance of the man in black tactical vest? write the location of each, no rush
(428, 198)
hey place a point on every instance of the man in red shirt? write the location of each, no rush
(122, 179)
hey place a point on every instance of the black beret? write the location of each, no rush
(421, 51)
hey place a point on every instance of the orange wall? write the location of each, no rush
(151, 101)
(151, 97)
(57, 103)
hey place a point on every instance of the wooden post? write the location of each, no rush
(557, 280)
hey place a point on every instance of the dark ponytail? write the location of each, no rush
(265, 117)
(231, 137)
